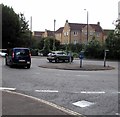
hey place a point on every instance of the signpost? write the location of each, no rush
(105, 54)
(81, 56)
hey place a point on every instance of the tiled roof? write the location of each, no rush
(96, 27)
(50, 33)
(60, 30)
(76, 26)
(38, 33)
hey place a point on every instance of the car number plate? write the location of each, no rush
(21, 60)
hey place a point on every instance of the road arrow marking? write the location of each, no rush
(83, 103)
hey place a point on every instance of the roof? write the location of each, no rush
(60, 30)
(38, 33)
(76, 26)
(96, 27)
(50, 33)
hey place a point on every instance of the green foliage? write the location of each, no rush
(15, 30)
(113, 45)
(10, 26)
(46, 45)
(94, 49)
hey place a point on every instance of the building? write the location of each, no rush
(38, 34)
(77, 33)
(48, 33)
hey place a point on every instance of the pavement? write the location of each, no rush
(18, 104)
(14, 103)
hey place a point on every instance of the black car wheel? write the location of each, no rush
(57, 60)
(50, 61)
(28, 66)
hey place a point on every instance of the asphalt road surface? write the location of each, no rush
(85, 92)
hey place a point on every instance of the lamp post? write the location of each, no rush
(31, 32)
(87, 25)
(54, 36)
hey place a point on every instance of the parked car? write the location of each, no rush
(19, 57)
(3, 54)
(58, 56)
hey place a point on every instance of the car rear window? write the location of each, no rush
(21, 52)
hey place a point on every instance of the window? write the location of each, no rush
(97, 34)
(75, 33)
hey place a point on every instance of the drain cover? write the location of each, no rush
(83, 103)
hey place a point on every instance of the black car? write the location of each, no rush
(59, 56)
(19, 57)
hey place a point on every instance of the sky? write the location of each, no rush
(44, 12)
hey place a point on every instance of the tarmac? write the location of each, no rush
(14, 103)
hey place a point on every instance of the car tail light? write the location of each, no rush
(13, 55)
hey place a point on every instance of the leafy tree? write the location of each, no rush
(25, 38)
(15, 30)
(94, 49)
(51, 40)
(113, 45)
(10, 27)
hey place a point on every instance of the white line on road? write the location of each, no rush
(5, 88)
(92, 92)
(47, 91)
(82, 75)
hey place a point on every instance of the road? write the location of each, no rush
(97, 91)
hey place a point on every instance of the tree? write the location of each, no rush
(94, 49)
(15, 30)
(25, 38)
(10, 27)
(113, 45)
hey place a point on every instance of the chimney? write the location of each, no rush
(66, 21)
(98, 23)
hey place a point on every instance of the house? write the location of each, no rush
(48, 33)
(77, 33)
(38, 34)
(58, 34)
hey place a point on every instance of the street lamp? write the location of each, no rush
(87, 25)
(31, 32)
(54, 36)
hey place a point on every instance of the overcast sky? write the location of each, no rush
(44, 12)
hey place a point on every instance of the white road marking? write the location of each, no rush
(5, 88)
(92, 92)
(70, 112)
(47, 91)
(117, 114)
(82, 75)
(83, 103)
